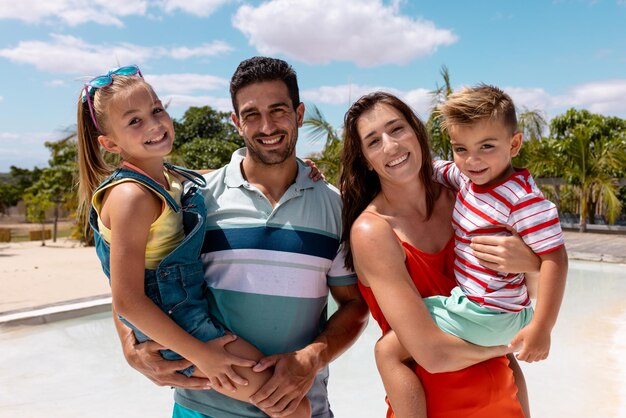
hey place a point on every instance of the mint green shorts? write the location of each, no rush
(459, 316)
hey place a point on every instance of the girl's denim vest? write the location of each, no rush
(177, 285)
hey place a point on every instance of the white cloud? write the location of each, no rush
(186, 101)
(534, 98)
(366, 32)
(205, 50)
(1, 99)
(25, 150)
(345, 94)
(606, 97)
(68, 54)
(72, 12)
(195, 7)
(185, 83)
(101, 12)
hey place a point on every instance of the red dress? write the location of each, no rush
(485, 390)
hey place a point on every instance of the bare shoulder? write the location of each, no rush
(370, 225)
(133, 199)
(373, 238)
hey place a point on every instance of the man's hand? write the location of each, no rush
(146, 359)
(294, 374)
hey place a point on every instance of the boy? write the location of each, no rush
(488, 307)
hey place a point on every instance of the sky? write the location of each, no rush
(548, 55)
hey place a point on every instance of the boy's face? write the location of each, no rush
(483, 151)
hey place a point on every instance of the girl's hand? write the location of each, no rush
(315, 174)
(216, 364)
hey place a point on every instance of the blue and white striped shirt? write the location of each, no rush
(269, 270)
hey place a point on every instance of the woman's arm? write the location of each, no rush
(379, 262)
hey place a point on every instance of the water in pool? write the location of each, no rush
(75, 367)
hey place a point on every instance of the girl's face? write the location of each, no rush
(139, 128)
(389, 143)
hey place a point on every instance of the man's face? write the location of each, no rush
(267, 121)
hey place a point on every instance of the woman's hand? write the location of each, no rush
(505, 254)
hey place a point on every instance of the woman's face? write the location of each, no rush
(389, 143)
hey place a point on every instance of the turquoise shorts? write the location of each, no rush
(182, 412)
(459, 316)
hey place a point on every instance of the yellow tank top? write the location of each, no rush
(166, 232)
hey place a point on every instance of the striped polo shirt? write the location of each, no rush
(516, 202)
(268, 271)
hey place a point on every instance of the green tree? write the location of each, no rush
(318, 128)
(55, 185)
(591, 150)
(205, 138)
(439, 138)
(9, 196)
(532, 124)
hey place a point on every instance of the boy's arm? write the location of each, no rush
(447, 174)
(552, 278)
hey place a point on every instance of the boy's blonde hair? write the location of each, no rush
(478, 103)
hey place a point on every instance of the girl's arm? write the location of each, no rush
(379, 261)
(131, 210)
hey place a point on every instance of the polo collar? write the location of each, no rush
(234, 176)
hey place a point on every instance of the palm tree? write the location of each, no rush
(439, 139)
(592, 151)
(329, 160)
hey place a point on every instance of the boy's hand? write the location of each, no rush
(216, 364)
(315, 174)
(535, 343)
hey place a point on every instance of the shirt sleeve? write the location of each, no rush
(339, 275)
(536, 220)
(447, 174)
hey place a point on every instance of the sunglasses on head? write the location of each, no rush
(102, 81)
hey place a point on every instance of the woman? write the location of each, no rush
(399, 240)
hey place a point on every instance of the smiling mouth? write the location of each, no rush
(272, 139)
(398, 160)
(157, 140)
(477, 172)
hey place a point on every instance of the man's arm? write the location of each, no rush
(295, 372)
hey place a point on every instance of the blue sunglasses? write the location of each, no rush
(102, 81)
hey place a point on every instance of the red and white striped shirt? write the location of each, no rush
(516, 202)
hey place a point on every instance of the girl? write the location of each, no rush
(149, 234)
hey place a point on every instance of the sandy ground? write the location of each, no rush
(33, 276)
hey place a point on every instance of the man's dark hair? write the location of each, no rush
(259, 69)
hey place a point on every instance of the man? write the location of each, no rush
(271, 256)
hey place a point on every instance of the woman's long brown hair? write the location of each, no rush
(358, 185)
